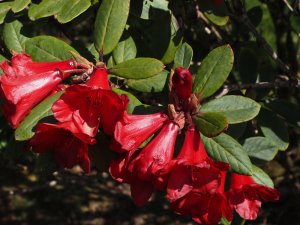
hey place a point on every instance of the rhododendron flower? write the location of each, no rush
(182, 82)
(27, 83)
(246, 195)
(147, 170)
(132, 130)
(69, 145)
(84, 104)
(196, 183)
(205, 208)
(193, 169)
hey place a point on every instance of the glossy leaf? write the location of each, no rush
(260, 148)
(183, 56)
(235, 108)
(260, 177)
(274, 129)
(47, 48)
(151, 84)
(4, 8)
(124, 51)
(19, 5)
(225, 149)
(2, 58)
(25, 128)
(110, 23)
(138, 68)
(210, 124)
(45, 8)
(12, 36)
(144, 8)
(71, 9)
(213, 71)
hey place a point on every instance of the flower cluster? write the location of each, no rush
(194, 183)
(78, 111)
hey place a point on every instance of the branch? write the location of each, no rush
(238, 12)
(284, 82)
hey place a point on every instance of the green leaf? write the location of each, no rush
(146, 8)
(151, 84)
(110, 23)
(210, 124)
(47, 48)
(213, 71)
(183, 56)
(235, 108)
(274, 129)
(289, 111)
(12, 36)
(4, 8)
(124, 51)
(138, 68)
(133, 101)
(19, 5)
(2, 58)
(260, 177)
(71, 9)
(225, 149)
(260, 148)
(217, 14)
(247, 65)
(24, 130)
(45, 8)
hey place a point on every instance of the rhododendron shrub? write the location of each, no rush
(187, 121)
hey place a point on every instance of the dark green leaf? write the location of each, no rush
(213, 71)
(247, 65)
(183, 56)
(235, 108)
(138, 68)
(4, 8)
(47, 48)
(210, 124)
(225, 149)
(289, 111)
(19, 5)
(260, 177)
(2, 58)
(12, 36)
(215, 13)
(25, 128)
(124, 51)
(71, 9)
(260, 148)
(151, 84)
(146, 8)
(110, 23)
(274, 129)
(45, 8)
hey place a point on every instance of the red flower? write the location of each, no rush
(147, 169)
(196, 183)
(205, 208)
(246, 195)
(182, 81)
(69, 146)
(84, 105)
(132, 130)
(193, 169)
(26, 83)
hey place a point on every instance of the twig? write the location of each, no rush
(288, 5)
(211, 28)
(238, 12)
(279, 83)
